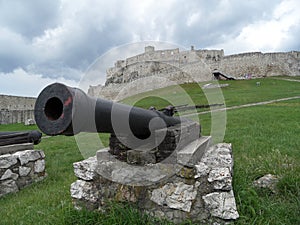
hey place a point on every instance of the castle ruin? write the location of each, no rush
(177, 67)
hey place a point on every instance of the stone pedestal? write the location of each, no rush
(20, 166)
(195, 184)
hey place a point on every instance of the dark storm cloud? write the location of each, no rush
(29, 18)
(61, 38)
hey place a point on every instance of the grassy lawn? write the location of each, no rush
(265, 140)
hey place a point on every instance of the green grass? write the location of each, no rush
(265, 140)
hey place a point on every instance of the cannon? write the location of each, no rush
(20, 137)
(63, 110)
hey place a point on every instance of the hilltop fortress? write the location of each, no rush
(176, 67)
(160, 68)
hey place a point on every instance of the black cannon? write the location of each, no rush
(20, 137)
(60, 109)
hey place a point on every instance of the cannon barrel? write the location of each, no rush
(60, 109)
(20, 137)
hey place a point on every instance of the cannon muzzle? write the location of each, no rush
(60, 109)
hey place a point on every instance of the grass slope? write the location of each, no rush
(265, 140)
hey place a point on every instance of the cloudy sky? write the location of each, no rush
(58, 40)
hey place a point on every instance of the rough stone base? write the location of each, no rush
(199, 190)
(19, 168)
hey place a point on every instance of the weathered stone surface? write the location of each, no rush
(27, 156)
(84, 190)
(39, 166)
(201, 169)
(192, 153)
(7, 161)
(85, 169)
(268, 181)
(175, 196)
(222, 205)
(10, 149)
(219, 156)
(9, 175)
(221, 178)
(8, 186)
(123, 173)
(24, 171)
(29, 122)
(198, 192)
(177, 67)
(186, 172)
(140, 157)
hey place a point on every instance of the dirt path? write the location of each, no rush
(243, 106)
(288, 79)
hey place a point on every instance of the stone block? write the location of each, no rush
(84, 190)
(39, 166)
(7, 161)
(221, 178)
(8, 174)
(85, 169)
(140, 157)
(24, 171)
(222, 205)
(10, 149)
(192, 153)
(175, 196)
(27, 156)
(8, 186)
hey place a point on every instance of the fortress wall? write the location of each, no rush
(16, 102)
(15, 109)
(260, 65)
(195, 66)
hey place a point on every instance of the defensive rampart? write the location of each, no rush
(15, 109)
(176, 66)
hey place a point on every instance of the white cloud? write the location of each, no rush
(267, 35)
(62, 38)
(19, 82)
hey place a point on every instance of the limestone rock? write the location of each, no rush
(24, 170)
(175, 196)
(221, 205)
(9, 175)
(8, 186)
(140, 157)
(39, 166)
(27, 156)
(193, 152)
(85, 169)
(201, 170)
(221, 179)
(219, 156)
(84, 190)
(29, 122)
(7, 161)
(268, 181)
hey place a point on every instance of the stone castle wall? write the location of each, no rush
(193, 66)
(15, 109)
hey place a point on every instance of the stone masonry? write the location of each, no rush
(16, 109)
(197, 186)
(20, 166)
(178, 67)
